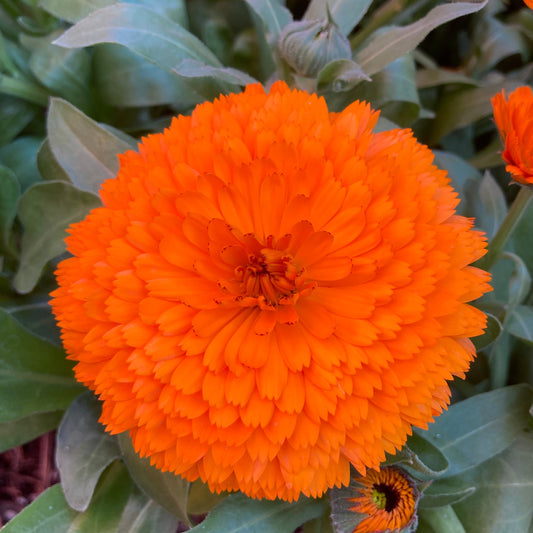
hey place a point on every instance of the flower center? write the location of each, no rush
(385, 497)
(271, 275)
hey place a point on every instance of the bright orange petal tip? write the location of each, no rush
(529, 3)
(514, 118)
(382, 501)
(271, 293)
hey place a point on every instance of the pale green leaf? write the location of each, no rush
(143, 515)
(85, 150)
(108, 503)
(125, 79)
(492, 332)
(240, 514)
(83, 450)
(492, 206)
(35, 376)
(340, 75)
(503, 498)
(396, 42)
(345, 13)
(464, 106)
(48, 166)
(189, 68)
(18, 432)
(48, 513)
(478, 428)
(440, 520)
(73, 10)
(200, 499)
(167, 489)
(274, 15)
(9, 193)
(46, 210)
(437, 498)
(519, 322)
(143, 31)
(426, 78)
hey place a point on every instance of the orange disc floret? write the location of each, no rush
(271, 292)
(514, 118)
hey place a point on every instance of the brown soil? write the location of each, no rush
(25, 472)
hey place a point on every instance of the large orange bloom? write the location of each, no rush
(272, 292)
(514, 118)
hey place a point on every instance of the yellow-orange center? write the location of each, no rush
(270, 276)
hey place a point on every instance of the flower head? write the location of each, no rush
(381, 501)
(271, 292)
(514, 118)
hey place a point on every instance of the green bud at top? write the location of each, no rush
(309, 45)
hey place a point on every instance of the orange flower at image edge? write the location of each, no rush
(514, 118)
(272, 292)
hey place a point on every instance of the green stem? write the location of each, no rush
(23, 89)
(515, 213)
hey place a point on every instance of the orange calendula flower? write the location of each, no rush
(383, 501)
(514, 118)
(272, 292)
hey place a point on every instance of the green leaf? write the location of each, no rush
(48, 166)
(274, 16)
(189, 68)
(49, 512)
(466, 180)
(426, 78)
(125, 79)
(321, 524)
(340, 75)
(65, 72)
(519, 322)
(15, 115)
(143, 515)
(440, 520)
(35, 377)
(461, 107)
(37, 317)
(46, 210)
(200, 499)
(85, 150)
(504, 492)
(494, 41)
(83, 451)
(109, 501)
(239, 514)
(440, 499)
(167, 489)
(20, 156)
(9, 193)
(492, 206)
(478, 428)
(345, 13)
(519, 281)
(18, 432)
(73, 10)
(492, 332)
(396, 42)
(143, 31)
(393, 91)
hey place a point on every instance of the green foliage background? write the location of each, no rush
(82, 80)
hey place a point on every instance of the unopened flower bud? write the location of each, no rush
(309, 45)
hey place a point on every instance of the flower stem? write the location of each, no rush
(515, 213)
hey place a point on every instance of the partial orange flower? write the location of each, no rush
(514, 118)
(529, 3)
(272, 292)
(382, 501)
